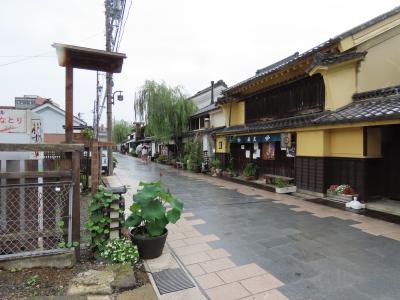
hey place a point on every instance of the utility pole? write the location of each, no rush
(109, 30)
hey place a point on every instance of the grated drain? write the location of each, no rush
(172, 280)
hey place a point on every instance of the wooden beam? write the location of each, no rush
(69, 103)
(41, 147)
(34, 174)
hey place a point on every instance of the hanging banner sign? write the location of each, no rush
(264, 138)
(286, 140)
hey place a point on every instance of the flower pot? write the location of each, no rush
(250, 178)
(227, 174)
(340, 197)
(150, 247)
(286, 189)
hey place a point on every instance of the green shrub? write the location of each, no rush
(230, 165)
(120, 250)
(280, 183)
(250, 170)
(194, 154)
(88, 133)
(162, 158)
(216, 164)
(99, 220)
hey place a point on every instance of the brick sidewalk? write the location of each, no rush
(240, 242)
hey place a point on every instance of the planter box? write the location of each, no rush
(227, 174)
(286, 189)
(341, 198)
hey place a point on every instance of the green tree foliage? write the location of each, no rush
(165, 110)
(194, 154)
(120, 131)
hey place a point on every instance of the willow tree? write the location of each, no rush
(120, 131)
(165, 111)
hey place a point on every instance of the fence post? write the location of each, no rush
(94, 148)
(76, 222)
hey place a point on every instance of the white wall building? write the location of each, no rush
(209, 117)
(203, 97)
(53, 120)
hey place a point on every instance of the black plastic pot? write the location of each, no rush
(150, 247)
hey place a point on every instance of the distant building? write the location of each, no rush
(53, 120)
(29, 101)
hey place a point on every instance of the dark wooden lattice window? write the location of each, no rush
(288, 100)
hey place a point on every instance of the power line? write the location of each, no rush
(44, 54)
(123, 26)
(24, 59)
(24, 56)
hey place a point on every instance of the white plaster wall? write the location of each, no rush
(217, 119)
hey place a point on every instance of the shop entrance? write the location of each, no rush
(391, 162)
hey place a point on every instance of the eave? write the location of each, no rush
(88, 58)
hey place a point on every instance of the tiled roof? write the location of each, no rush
(204, 110)
(385, 107)
(292, 122)
(281, 66)
(326, 59)
(277, 66)
(216, 84)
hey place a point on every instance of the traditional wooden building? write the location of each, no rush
(330, 115)
(209, 118)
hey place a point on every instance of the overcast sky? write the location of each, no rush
(182, 42)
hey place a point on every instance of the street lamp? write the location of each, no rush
(120, 97)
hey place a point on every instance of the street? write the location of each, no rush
(308, 251)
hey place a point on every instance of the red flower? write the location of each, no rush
(333, 187)
(348, 191)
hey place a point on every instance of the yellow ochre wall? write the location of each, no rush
(342, 142)
(381, 67)
(237, 113)
(340, 84)
(225, 145)
(346, 142)
(312, 143)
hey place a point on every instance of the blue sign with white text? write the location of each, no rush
(264, 138)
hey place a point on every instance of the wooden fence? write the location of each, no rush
(39, 196)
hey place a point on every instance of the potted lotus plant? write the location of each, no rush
(150, 216)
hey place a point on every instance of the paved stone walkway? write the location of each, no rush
(243, 243)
